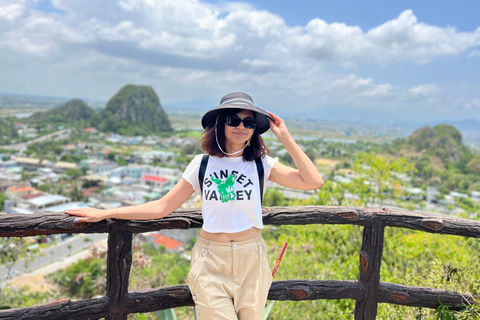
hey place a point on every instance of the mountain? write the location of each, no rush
(134, 110)
(75, 111)
(443, 140)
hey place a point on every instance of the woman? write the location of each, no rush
(230, 275)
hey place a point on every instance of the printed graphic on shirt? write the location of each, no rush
(230, 186)
(225, 188)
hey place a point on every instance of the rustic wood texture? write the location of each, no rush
(423, 297)
(119, 262)
(368, 291)
(369, 271)
(60, 310)
(285, 290)
(21, 225)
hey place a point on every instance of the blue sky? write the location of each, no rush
(388, 61)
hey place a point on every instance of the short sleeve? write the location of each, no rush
(191, 172)
(268, 163)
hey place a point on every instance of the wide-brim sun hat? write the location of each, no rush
(237, 100)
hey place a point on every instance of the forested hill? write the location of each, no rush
(134, 110)
(73, 112)
(443, 141)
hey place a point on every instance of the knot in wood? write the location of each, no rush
(399, 297)
(348, 215)
(58, 302)
(433, 224)
(298, 293)
(177, 292)
(80, 225)
(363, 263)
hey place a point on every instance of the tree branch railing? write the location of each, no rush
(368, 291)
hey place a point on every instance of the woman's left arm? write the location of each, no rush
(306, 177)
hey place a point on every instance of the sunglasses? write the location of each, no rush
(234, 121)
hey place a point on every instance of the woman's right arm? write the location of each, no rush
(151, 210)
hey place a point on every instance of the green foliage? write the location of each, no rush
(376, 178)
(134, 110)
(74, 113)
(12, 250)
(84, 279)
(2, 201)
(315, 252)
(73, 158)
(473, 165)
(274, 198)
(165, 269)
(443, 140)
(7, 130)
(21, 297)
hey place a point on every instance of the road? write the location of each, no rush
(55, 255)
(22, 147)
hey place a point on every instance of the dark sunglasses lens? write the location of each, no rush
(249, 123)
(233, 121)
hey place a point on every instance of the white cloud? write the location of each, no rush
(11, 12)
(423, 90)
(473, 104)
(205, 49)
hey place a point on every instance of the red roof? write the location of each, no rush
(21, 189)
(154, 178)
(31, 196)
(167, 242)
(87, 192)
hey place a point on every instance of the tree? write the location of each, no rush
(377, 177)
(274, 197)
(12, 250)
(2, 201)
(473, 165)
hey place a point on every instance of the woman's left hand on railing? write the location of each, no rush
(90, 214)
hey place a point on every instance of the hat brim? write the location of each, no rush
(262, 116)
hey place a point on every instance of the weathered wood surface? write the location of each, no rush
(60, 310)
(369, 271)
(20, 225)
(119, 262)
(285, 290)
(367, 292)
(423, 297)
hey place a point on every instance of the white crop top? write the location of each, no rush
(231, 192)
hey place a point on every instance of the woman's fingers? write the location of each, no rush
(84, 215)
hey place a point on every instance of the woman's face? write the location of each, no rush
(240, 134)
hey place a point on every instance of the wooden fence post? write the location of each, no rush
(369, 276)
(119, 262)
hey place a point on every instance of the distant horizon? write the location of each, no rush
(189, 106)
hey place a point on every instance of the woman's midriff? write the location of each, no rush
(229, 237)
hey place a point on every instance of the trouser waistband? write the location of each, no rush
(210, 244)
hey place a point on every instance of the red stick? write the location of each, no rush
(277, 264)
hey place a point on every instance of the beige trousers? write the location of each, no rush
(230, 280)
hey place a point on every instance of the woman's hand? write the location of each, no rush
(88, 214)
(278, 127)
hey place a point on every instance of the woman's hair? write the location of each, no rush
(208, 142)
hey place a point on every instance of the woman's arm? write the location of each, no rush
(151, 210)
(306, 177)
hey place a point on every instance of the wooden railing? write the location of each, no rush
(368, 291)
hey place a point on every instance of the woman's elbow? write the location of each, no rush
(315, 184)
(318, 184)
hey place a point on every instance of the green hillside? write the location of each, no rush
(75, 112)
(134, 110)
(443, 140)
